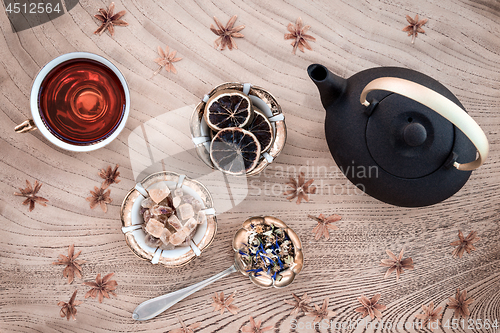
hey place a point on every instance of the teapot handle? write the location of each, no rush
(442, 105)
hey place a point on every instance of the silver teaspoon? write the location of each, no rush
(153, 307)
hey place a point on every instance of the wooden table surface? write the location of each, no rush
(461, 49)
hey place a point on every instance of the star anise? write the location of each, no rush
(254, 327)
(221, 304)
(300, 304)
(396, 263)
(184, 328)
(370, 307)
(101, 287)
(298, 34)
(30, 194)
(109, 175)
(227, 33)
(109, 20)
(322, 312)
(99, 197)
(430, 314)
(166, 60)
(324, 225)
(300, 189)
(464, 244)
(414, 27)
(460, 303)
(69, 309)
(72, 265)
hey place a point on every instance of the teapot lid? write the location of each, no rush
(407, 139)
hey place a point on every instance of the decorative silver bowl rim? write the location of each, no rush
(240, 241)
(262, 99)
(129, 226)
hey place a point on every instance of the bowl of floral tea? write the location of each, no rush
(268, 252)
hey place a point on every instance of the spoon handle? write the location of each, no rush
(153, 307)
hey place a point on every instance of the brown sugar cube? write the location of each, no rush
(165, 236)
(191, 224)
(154, 228)
(178, 237)
(174, 222)
(167, 247)
(176, 201)
(202, 217)
(186, 230)
(157, 195)
(185, 211)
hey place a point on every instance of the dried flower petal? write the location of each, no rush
(99, 197)
(69, 309)
(320, 313)
(166, 60)
(299, 36)
(396, 263)
(371, 307)
(464, 244)
(227, 33)
(430, 314)
(414, 27)
(72, 265)
(30, 194)
(300, 189)
(109, 20)
(101, 287)
(221, 304)
(184, 328)
(300, 304)
(460, 303)
(324, 225)
(109, 175)
(254, 327)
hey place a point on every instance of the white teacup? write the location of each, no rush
(85, 107)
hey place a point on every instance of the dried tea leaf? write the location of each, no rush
(396, 263)
(324, 225)
(300, 189)
(222, 304)
(226, 33)
(109, 20)
(299, 36)
(414, 27)
(320, 313)
(29, 193)
(72, 265)
(101, 287)
(68, 309)
(371, 307)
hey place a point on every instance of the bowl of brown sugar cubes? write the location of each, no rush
(168, 219)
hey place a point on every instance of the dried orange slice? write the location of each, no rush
(263, 130)
(228, 108)
(235, 151)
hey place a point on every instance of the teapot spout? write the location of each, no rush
(330, 86)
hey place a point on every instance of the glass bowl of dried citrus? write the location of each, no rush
(238, 129)
(168, 219)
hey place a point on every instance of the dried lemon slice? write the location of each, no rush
(228, 108)
(263, 130)
(235, 151)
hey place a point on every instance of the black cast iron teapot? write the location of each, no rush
(399, 135)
